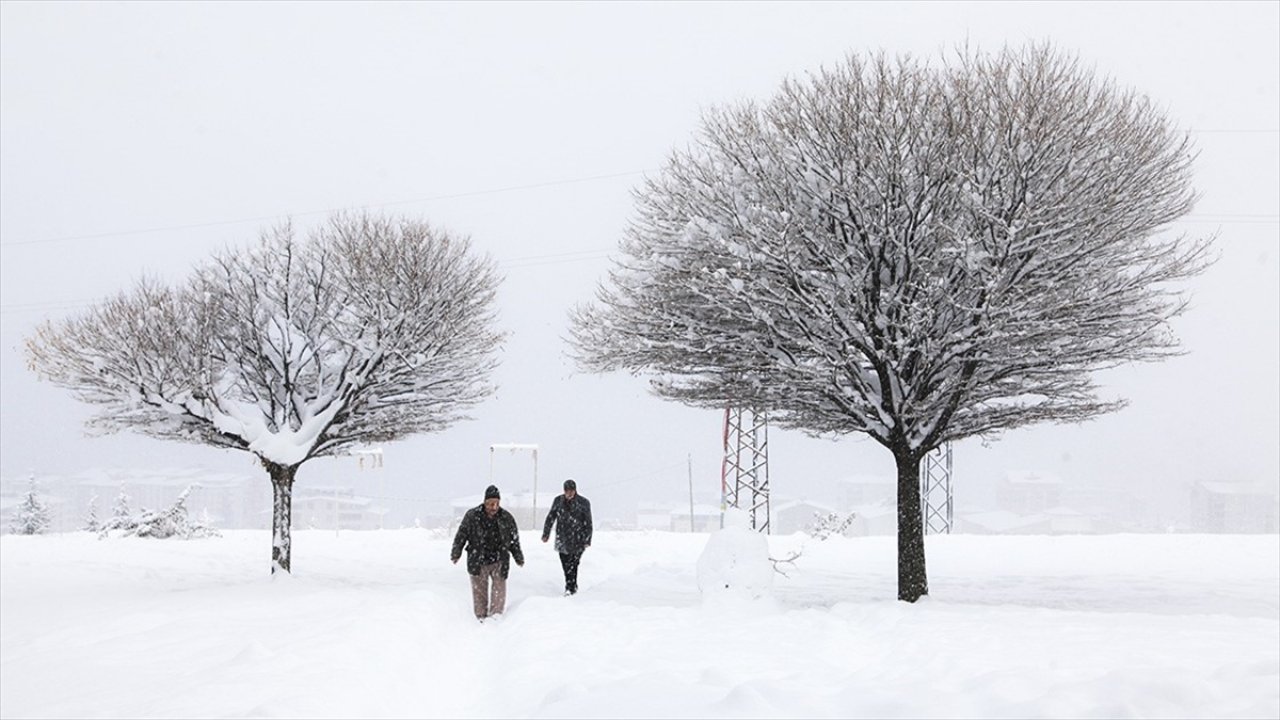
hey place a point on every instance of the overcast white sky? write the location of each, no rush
(138, 138)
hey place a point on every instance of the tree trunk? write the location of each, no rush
(281, 514)
(913, 582)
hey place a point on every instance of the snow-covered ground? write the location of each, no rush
(378, 624)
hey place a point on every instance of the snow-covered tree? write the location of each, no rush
(121, 515)
(121, 508)
(91, 521)
(919, 253)
(32, 515)
(172, 522)
(373, 330)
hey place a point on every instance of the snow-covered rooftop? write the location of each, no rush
(1230, 488)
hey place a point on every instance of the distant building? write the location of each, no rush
(434, 515)
(878, 518)
(336, 508)
(1067, 521)
(1225, 507)
(706, 518)
(1053, 521)
(867, 490)
(528, 514)
(1002, 522)
(229, 500)
(1028, 493)
(674, 517)
(792, 516)
(653, 516)
(1115, 509)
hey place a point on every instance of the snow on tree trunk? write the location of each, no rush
(281, 513)
(912, 251)
(913, 581)
(372, 329)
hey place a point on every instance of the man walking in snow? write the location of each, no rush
(491, 538)
(571, 514)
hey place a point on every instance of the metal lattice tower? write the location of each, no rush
(744, 474)
(935, 490)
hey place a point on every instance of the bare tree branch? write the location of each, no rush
(917, 253)
(374, 330)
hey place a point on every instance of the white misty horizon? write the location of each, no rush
(530, 144)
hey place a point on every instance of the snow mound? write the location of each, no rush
(735, 562)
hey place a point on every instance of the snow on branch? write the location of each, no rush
(370, 330)
(918, 253)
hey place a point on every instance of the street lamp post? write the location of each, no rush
(513, 447)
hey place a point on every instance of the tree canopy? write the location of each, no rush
(917, 252)
(373, 329)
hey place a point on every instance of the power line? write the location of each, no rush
(263, 218)
(516, 263)
(529, 261)
(575, 256)
(452, 196)
(584, 255)
(42, 307)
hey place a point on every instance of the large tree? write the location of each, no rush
(916, 252)
(372, 330)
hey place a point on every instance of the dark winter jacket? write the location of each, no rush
(488, 540)
(572, 519)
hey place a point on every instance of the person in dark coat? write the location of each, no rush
(491, 538)
(571, 514)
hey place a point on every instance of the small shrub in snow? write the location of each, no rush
(829, 524)
(171, 522)
(91, 521)
(32, 516)
(121, 516)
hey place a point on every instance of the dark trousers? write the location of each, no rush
(569, 561)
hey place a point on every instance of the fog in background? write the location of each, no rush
(139, 138)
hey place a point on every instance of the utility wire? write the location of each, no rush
(530, 261)
(263, 218)
(492, 191)
(654, 472)
(515, 263)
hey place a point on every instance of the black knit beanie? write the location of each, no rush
(491, 492)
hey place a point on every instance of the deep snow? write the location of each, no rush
(378, 624)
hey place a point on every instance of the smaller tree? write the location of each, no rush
(32, 517)
(121, 507)
(172, 522)
(121, 516)
(91, 521)
(370, 330)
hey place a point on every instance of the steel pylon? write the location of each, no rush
(935, 490)
(744, 474)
